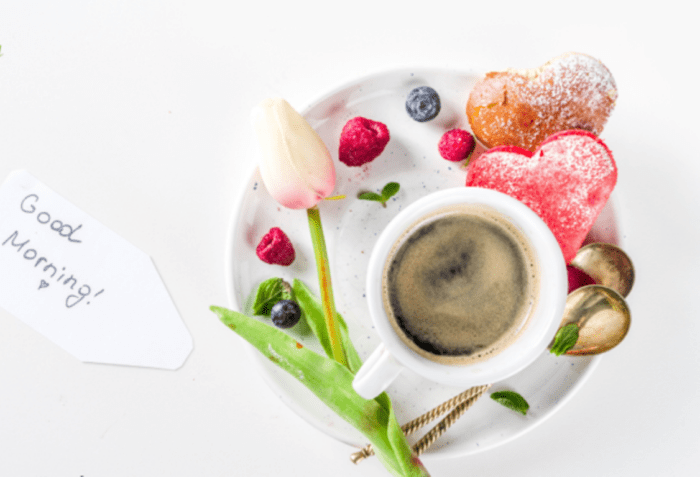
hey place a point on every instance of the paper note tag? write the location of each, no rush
(81, 285)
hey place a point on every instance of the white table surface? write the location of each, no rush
(137, 112)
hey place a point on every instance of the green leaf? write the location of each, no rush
(313, 310)
(402, 452)
(511, 400)
(390, 190)
(331, 382)
(370, 196)
(268, 293)
(565, 339)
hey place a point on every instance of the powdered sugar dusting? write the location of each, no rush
(522, 107)
(568, 76)
(566, 182)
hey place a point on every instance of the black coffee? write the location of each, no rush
(459, 285)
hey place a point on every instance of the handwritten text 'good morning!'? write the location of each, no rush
(44, 266)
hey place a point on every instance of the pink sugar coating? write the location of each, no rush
(275, 248)
(566, 181)
(362, 140)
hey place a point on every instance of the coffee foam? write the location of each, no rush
(449, 334)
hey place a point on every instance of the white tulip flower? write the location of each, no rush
(295, 164)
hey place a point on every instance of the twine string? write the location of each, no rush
(457, 406)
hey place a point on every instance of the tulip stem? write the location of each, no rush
(324, 281)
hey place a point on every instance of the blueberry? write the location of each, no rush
(285, 313)
(423, 103)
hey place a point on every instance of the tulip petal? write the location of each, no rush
(295, 164)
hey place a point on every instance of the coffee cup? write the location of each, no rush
(465, 286)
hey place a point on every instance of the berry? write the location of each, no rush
(361, 141)
(423, 103)
(275, 248)
(578, 278)
(456, 145)
(285, 313)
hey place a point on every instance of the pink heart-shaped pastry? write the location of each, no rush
(566, 181)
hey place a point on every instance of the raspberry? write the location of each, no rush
(361, 141)
(456, 145)
(577, 278)
(275, 248)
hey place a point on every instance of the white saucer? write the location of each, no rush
(351, 227)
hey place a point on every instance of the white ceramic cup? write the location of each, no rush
(393, 355)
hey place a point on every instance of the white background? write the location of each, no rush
(137, 112)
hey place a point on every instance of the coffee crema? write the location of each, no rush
(459, 284)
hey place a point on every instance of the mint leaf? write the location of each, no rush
(388, 191)
(565, 339)
(511, 400)
(370, 196)
(268, 293)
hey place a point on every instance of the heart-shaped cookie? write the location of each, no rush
(523, 107)
(566, 181)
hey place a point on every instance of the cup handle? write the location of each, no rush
(376, 374)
